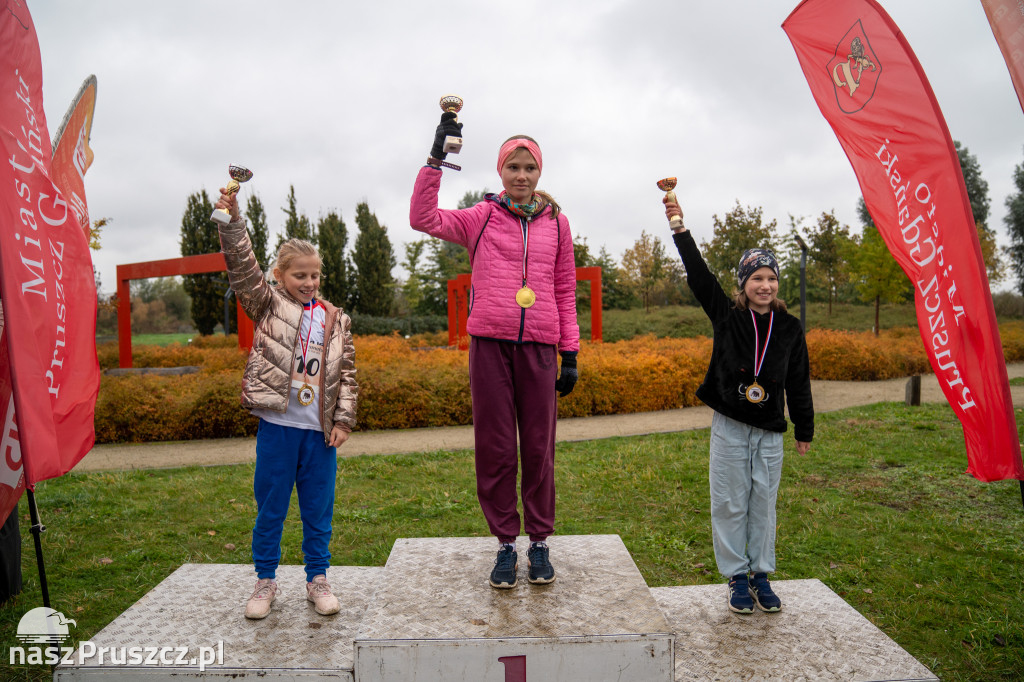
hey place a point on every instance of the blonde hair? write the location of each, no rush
(555, 208)
(741, 302)
(292, 249)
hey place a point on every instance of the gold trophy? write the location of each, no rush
(238, 175)
(452, 103)
(666, 185)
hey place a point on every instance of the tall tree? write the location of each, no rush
(412, 288)
(615, 293)
(877, 275)
(198, 236)
(827, 243)
(977, 194)
(741, 229)
(1014, 221)
(373, 258)
(445, 261)
(259, 234)
(472, 198)
(335, 277)
(644, 266)
(296, 225)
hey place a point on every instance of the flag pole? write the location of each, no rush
(37, 529)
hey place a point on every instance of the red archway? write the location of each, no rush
(171, 267)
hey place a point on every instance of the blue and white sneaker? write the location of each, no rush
(764, 597)
(740, 600)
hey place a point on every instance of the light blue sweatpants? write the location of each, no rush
(745, 470)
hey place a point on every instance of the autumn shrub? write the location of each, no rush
(412, 383)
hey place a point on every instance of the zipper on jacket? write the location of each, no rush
(524, 224)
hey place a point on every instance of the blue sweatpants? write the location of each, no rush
(288, 457)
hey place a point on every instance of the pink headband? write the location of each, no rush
(510, 147)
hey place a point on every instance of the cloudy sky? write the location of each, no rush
(340, 98)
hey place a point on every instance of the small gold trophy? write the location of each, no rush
(666, 185)
(452, 103)
(238, 175)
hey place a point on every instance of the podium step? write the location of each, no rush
(435, 617)
(203, 605)
(816, 636)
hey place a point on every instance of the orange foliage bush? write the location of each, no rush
(406, 385)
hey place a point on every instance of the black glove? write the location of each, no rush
(567, 378)
(447, 126)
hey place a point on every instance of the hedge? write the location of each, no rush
(405, 383)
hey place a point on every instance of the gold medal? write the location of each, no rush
(306, 395)
(755, 393)
(525, 297)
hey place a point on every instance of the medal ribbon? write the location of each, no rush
(526, 245)
(759, 358)
(304, 346)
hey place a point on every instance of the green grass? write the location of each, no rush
(879, 510)
(689, 321)
(153, 339)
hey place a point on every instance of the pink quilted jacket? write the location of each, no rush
(494, 237)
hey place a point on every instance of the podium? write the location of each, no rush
(429, 615)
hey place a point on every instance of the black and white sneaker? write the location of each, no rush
(541, 570)
(504, 574)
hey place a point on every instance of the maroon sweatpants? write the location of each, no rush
(514, 385)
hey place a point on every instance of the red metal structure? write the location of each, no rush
(186, 265)
(458, 306)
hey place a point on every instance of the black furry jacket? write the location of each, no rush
(785, 373)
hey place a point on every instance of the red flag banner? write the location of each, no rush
(873, 92)
(72, 155)
(12, 473)
(46, 278)
(1006, 17)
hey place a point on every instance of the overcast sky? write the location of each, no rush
(340, 99)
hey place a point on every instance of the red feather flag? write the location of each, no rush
(873, 92)
(46, 281)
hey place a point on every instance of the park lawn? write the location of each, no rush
(879, 510)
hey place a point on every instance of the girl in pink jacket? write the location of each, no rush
(522, 314)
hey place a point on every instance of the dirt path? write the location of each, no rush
(828, 396)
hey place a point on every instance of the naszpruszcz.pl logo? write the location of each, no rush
(44, 631)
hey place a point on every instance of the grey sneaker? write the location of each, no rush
(262, 597)
(319, 592)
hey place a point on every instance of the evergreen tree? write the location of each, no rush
(296, 225)
(412, 288)
(444, 261)
(977, 194)
(198, 236)
(1014, 221)
(740, 230)
(470, 199)
(614, 292)
(373, 259)
(335, 276)
(259, 234)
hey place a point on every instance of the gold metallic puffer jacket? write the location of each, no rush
(276, 316)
